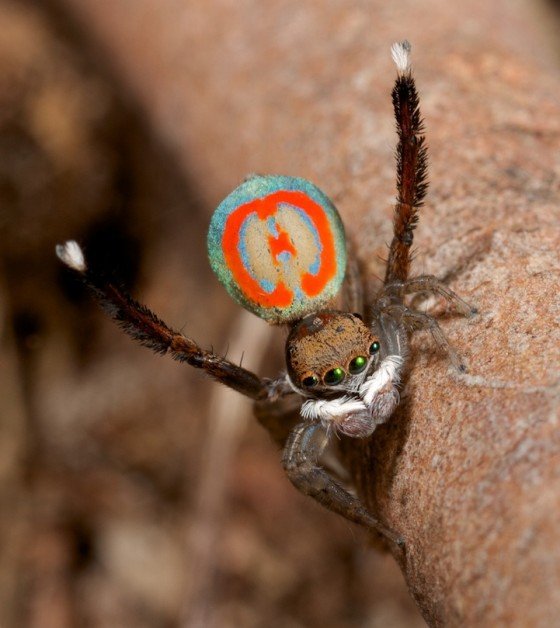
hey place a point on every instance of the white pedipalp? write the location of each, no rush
(331, 409)
(388, 373)
(342, 415)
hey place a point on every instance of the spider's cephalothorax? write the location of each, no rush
(330, 355)
(328, 352)
(277, 244)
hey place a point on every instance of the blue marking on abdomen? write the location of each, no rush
(316, 264)
(299, 296)
(266, 285)
(272, 226)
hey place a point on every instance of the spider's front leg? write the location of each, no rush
(149, 330)
(391, 303)
(430, 284)
(302, 453)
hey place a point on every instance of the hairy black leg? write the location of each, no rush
(141, 324)
(304, 448)
(144, 326)
(412, 164)
(429, 283)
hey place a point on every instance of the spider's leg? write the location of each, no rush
(303, 450)
(279, 418)
(419, 320)
(353, 288)
(430, 283)
(380, 390)
(412, 163)
(149, 330)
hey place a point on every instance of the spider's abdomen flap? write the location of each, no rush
(277, 244)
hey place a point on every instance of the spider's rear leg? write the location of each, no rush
(429, 283)
(418, 320)
(353, 288)
(302, 453)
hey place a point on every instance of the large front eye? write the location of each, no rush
(357, 365)
(334, 376)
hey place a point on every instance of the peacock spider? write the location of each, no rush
(278, 245)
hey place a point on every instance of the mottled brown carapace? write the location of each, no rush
(324, 341)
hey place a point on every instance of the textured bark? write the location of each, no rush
(467, 471)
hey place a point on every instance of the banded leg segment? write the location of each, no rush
(405, 318)
(429, 283)
(304, 448)
(141, 324)
(412, 163)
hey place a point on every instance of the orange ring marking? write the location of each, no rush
(281, 296)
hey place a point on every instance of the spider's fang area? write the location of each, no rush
(71, 254)
(400, 51)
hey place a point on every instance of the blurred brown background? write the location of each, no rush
(128, 497)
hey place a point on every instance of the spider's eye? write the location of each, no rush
(358, 364)
(310, 381)
(334, 376)
(374, 347)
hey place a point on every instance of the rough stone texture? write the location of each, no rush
(468, 470)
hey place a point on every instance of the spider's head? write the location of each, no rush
(330, 352)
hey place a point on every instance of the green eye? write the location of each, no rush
(357, 365)
(310, 381)
(374, 348)
(334, 376)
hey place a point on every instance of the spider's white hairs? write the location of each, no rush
(388, 372)
(327, 410)
(400, 51)
(72, 255)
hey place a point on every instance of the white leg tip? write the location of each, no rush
(72, 255)
(400, 51)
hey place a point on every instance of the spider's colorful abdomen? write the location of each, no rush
(277, 244)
